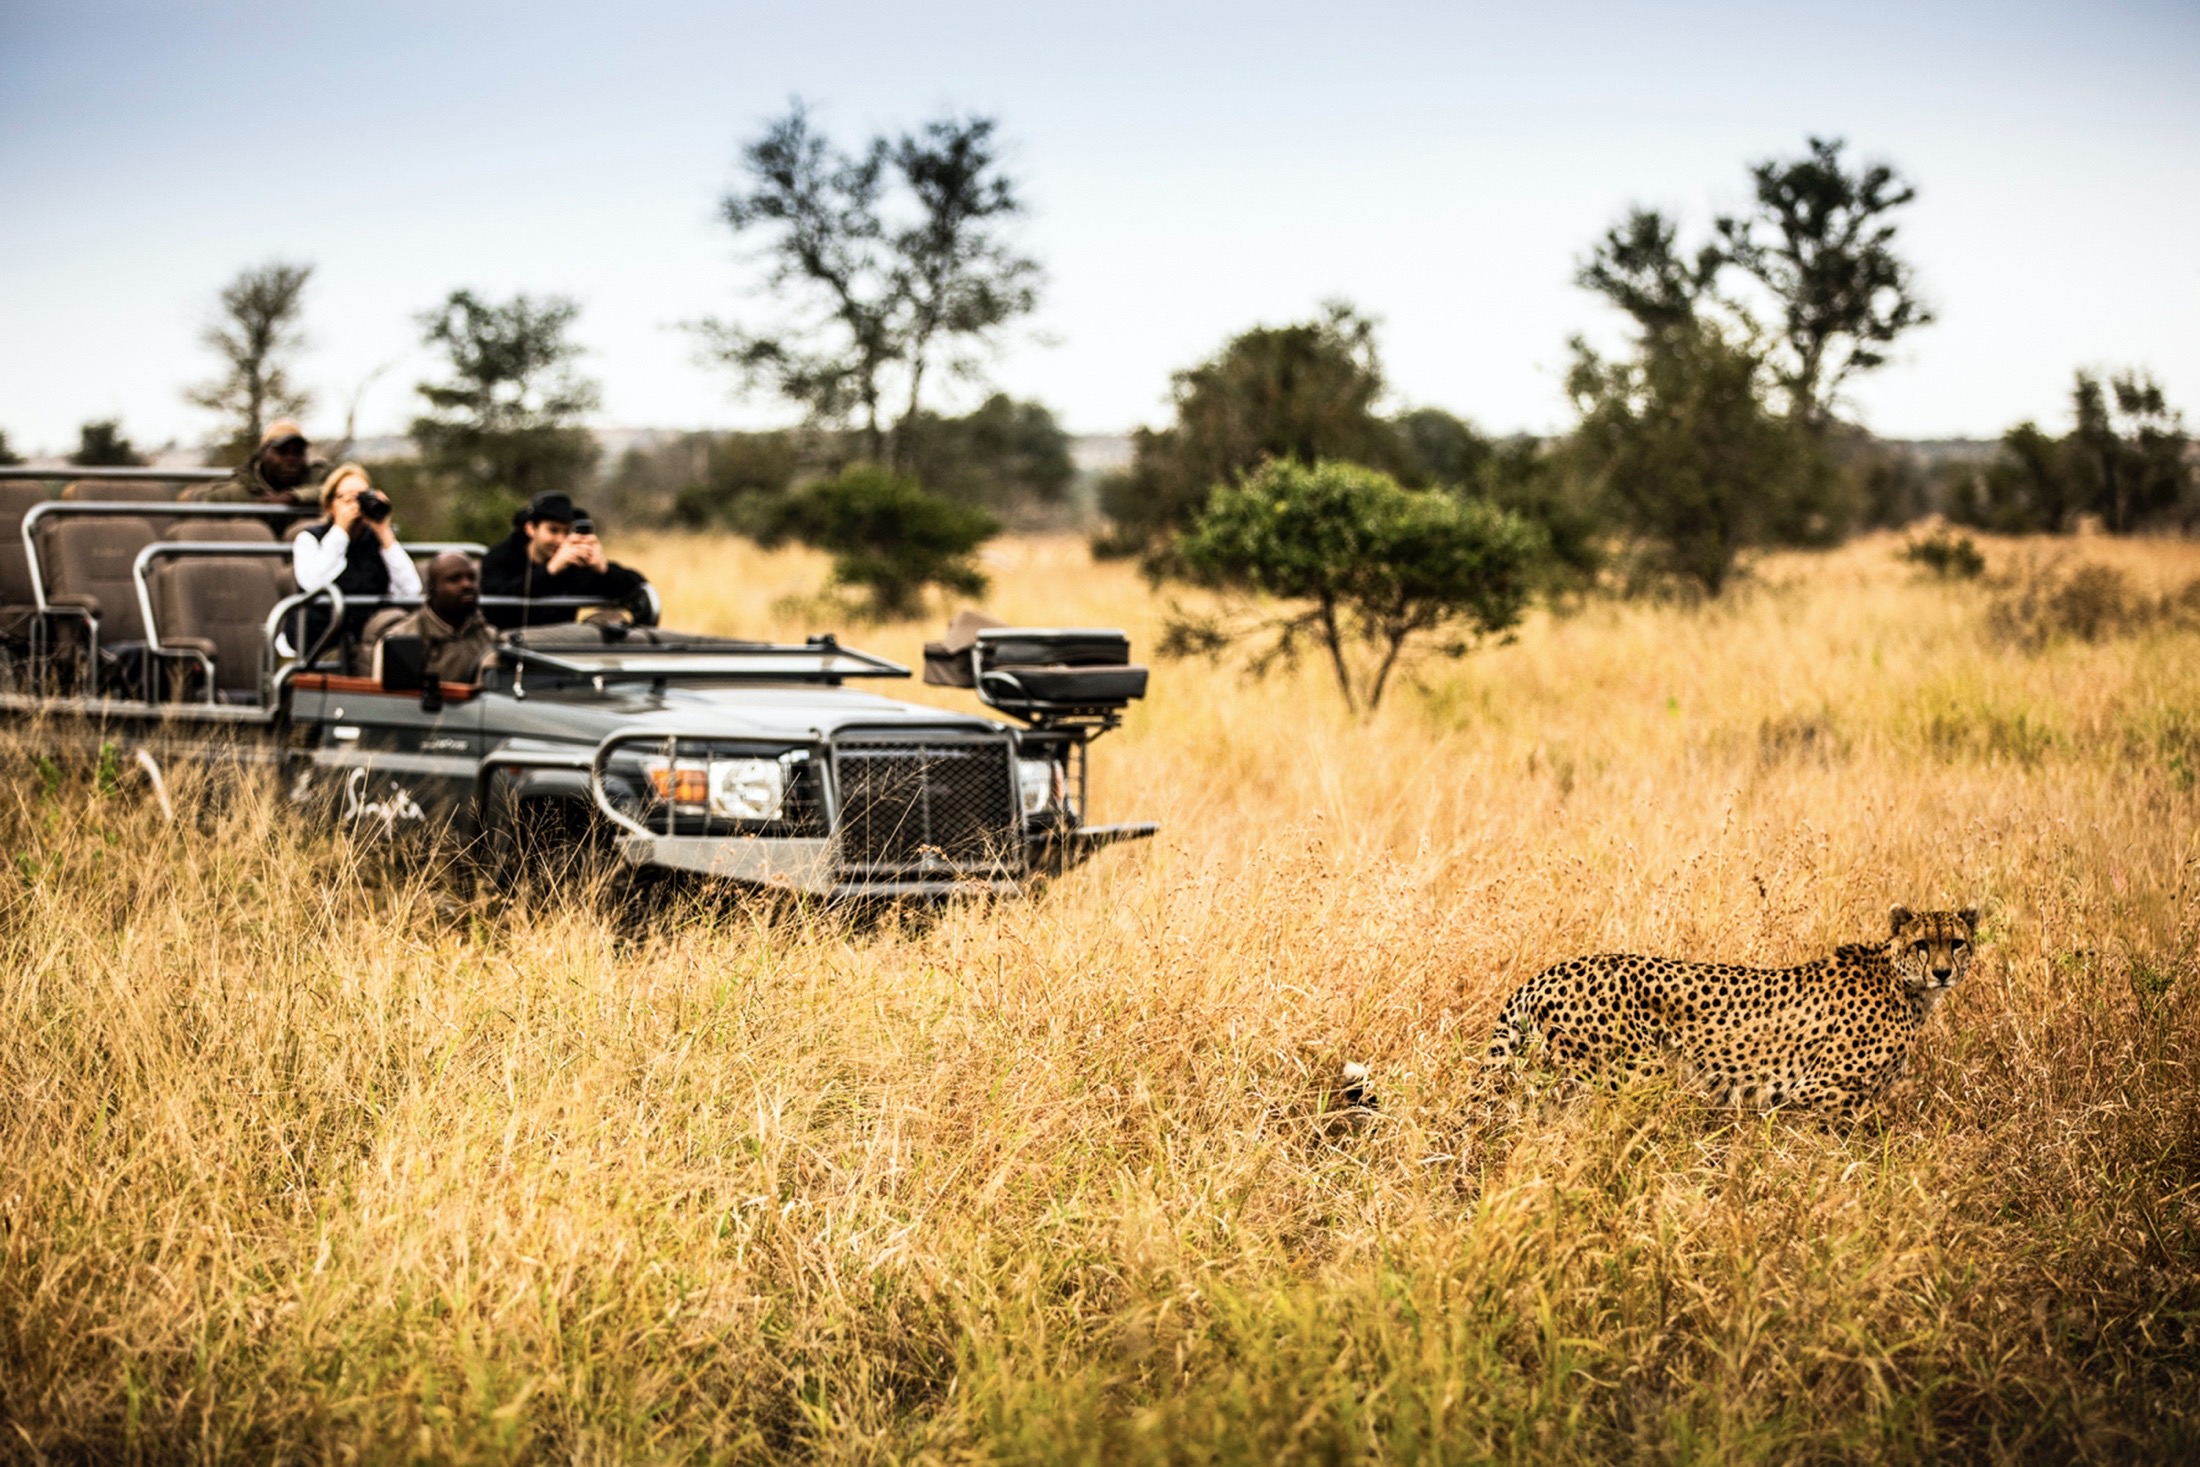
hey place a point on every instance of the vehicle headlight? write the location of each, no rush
(1036, 778)
(732, 789)
(747, 789)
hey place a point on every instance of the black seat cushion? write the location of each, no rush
(1079, 687)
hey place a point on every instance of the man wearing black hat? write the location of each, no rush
(552, 553)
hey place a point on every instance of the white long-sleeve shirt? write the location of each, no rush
(319, 560)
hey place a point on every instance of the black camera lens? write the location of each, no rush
(584, 526)
(374, 505)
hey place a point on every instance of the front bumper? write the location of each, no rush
(809, 866)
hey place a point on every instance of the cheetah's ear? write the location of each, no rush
(1970, 917)
(1899, 918)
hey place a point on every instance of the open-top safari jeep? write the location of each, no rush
(173, 629)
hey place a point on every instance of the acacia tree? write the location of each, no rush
(1370, 566)
(255, 336)
(2128, 451)
(887, 284)
(2127, 459)
(1638, 267)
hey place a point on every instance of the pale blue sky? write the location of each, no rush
(1193, 169)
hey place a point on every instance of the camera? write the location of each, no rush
(584, 526)
(374, 505)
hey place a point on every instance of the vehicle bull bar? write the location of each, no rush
(789, 863)
(806, 864)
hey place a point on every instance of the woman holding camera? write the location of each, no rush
(353, 548)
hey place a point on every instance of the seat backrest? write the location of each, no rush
(17, 497)
(222, 601)
(16, 500)
(227, 532)
(105, 491)
(92, 557)
(110, 491)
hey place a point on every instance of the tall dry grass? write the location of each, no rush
(299, 1161)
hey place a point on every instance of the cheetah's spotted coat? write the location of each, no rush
(1833, 1033)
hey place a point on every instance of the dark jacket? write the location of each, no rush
(506, 571)
(248, 487)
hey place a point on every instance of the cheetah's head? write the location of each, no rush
(1932, 950)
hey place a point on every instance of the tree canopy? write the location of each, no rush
(1821, 244)
(887, 286)
(1369, 564)
(1306, 391)
(101, 445)
(1682, 447)
(1825, 290)
(2125, 460)
(889, 539)
(256, 337)
(504, 425)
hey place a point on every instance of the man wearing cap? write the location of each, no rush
(278, 472)
(450, 626)
(552, 553)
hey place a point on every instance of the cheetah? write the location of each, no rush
(1832, 1034)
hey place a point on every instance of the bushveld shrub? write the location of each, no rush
(889, 539)
(2043, 601)
(1370, 565)
(1947, 555)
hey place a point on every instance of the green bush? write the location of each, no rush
(1947, 555)
(889, 538)
(1371, 564)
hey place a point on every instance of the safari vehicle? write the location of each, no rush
(172, 630)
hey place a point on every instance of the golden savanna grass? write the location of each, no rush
(299, 1161)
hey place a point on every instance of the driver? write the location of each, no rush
(280, 470)
(553, 552)
(450, 626)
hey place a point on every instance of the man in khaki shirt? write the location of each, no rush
(451, 628)
(280, 471)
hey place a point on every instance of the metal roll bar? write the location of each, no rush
(271, 677)
(134, 474)
(38, 514)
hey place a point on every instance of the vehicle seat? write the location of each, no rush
(98, 491)
(87, 563)
(17, 600)
(226, 532)
(218, 606)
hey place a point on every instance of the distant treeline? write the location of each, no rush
(1009, 458)
(889, 269)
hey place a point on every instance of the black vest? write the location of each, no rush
(364, 574)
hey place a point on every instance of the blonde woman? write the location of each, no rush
(353, 548)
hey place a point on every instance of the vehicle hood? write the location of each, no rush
(796, 712)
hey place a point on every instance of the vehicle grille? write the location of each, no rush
(917, 807)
